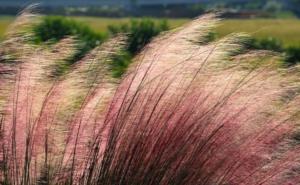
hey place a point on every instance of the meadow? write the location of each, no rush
(286, 30)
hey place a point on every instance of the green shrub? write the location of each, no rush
(292, 55)
(53, 28)
(269, 43)
(140, 32)
(120, 63)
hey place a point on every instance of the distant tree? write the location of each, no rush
(133, 2)
(273, 6)
(254, 4)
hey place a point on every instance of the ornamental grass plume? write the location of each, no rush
(187, 112)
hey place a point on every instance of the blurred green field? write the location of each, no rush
(286, 30)
(4, 22)
(102, 23)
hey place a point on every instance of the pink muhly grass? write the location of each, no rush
(187, 112)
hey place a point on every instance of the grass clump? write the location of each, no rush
(140, 32)
(185, 114)
(291, 53)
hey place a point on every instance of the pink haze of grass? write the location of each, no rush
(187, 112)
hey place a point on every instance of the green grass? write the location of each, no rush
(286, 30)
